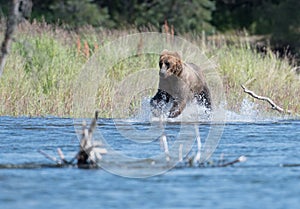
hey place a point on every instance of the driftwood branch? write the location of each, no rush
(50, 157)
(164, 142)
(267, 99)
(198, 155)
(180, 158)
(18, 10)
(62, 156)
(89, 153)
(238, 160)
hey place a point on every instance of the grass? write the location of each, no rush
(40, 75)
(267, 75)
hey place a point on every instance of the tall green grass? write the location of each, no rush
(265, 74)
(40, 75)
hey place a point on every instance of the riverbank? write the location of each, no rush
(43, 66)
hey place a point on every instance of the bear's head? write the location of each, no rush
(170, 64)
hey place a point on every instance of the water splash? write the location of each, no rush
(192, 113)
(248, 113)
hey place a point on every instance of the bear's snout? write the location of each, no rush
(163, 71)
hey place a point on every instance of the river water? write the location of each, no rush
(270, 178)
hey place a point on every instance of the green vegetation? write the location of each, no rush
(39, 73)
(45, 61)
(277, 20)
(267, 75)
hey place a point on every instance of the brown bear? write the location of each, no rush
(179, 84)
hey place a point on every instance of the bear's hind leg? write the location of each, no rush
(204, 98)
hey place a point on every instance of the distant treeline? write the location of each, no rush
(277, 19)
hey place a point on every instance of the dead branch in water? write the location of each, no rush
(198, 155)
(89, 152)
(240, 159)
(267, 99)
(50, 157)
(164, 142)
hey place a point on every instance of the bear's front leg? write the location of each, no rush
(159, 101)
(177, 109)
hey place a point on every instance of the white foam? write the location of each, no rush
(249, 112)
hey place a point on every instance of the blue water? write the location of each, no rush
(265, 180)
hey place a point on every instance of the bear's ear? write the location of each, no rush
(165, 51)
(178, 54)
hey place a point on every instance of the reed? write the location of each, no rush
(265, 74)
(45, 60)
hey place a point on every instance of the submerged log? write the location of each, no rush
(89, 152)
